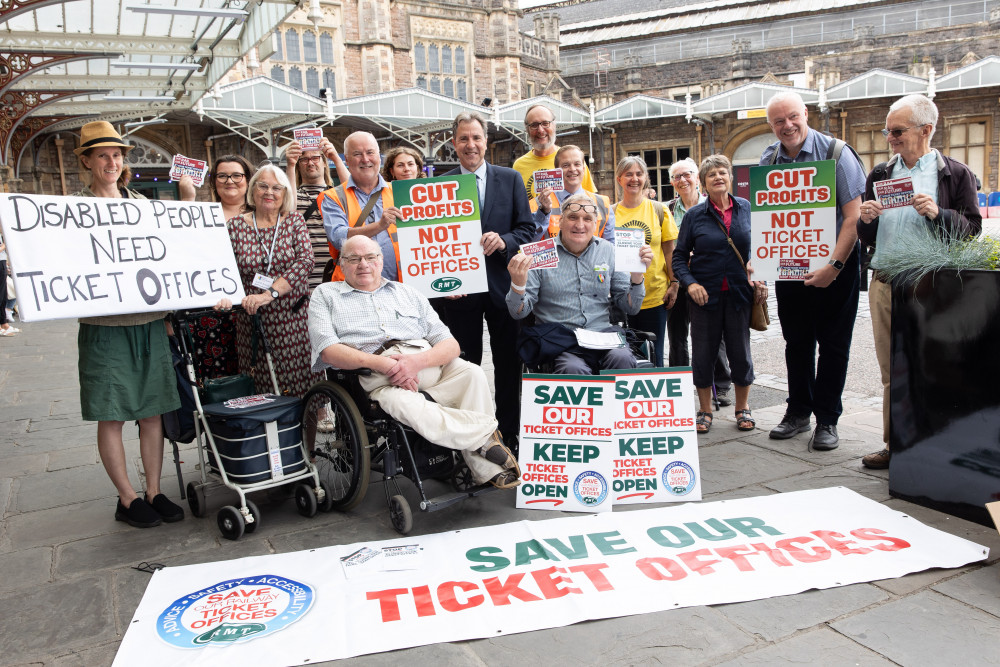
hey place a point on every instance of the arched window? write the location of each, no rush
(435, 85)
(461, 90)
(276, 36)
(312, 81)
(449, 88)
(422, 82)
(459, 60)
(278, 73)
(292, 45)
(295, 78)
(446, 59)
(326, 48)
(309, 47)
(330, 82)
(432, 58)
(420, 58)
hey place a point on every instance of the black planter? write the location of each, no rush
(945, 393)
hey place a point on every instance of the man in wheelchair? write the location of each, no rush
(388, 327)
(579, 292)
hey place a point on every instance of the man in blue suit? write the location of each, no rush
(507, 223)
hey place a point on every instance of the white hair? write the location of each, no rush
(922, 110)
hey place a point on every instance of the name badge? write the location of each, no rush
(261, 281)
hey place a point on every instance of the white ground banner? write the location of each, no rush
(88, 256)
(342, 601)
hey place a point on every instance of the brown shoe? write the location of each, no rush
(505, 480)
(877, 460)
(496, 452)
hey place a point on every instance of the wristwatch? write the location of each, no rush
(837, 264)
(274, 293)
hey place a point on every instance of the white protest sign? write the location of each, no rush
(628, 243)
(793, 218)
(566, 455)
(185, 166)
(439, 233)
(654, 436)
(89, 256)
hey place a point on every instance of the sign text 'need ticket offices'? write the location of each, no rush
(89, 256)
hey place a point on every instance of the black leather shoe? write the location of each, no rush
(138, 514)
(789, 426)
(825, 437)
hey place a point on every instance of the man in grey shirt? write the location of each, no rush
(370, 322)
(578, 293)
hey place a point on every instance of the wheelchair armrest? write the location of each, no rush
(331, 373)
(644, 335)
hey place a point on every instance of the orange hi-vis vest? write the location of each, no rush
(354, 209)
(603, 206)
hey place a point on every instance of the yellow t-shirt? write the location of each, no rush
(644, 217)
(529, 163)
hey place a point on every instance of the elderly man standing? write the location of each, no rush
(578, 293)
(367, 321)
(944, 200)
(362, 206)
(507, 223)
(820, 310)
(540, 123)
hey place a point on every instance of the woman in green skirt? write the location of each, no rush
(125, 366)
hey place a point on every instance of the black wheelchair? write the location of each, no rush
(352, 436)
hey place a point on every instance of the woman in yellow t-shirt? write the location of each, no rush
(635, 211)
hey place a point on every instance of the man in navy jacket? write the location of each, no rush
(507, 223)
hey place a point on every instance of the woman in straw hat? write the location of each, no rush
(125, 365)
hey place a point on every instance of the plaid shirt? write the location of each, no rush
(338, 313)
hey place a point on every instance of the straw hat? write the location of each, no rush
(100, 133)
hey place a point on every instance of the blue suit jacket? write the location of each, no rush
(507, 213)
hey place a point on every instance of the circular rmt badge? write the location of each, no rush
(678, 478)
(590, 488)
(234, 611)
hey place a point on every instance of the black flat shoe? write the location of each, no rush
(138, 514)
(168, 511)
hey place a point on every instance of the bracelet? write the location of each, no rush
(519, 287)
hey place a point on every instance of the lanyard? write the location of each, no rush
(270, 253)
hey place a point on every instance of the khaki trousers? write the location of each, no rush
(880, 305)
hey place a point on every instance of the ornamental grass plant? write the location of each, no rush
(924, 251)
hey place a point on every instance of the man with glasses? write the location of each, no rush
(311, 171)
(944, 199)
(578, 293)
(367, 321)
(540, 123)
(819, 311)
(363, 205)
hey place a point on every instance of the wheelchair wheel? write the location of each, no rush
(340, 451)
(400, 514)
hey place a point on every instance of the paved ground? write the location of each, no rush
(68, 588)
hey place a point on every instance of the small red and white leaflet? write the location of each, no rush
(895, 193)
(543, 254)
(548, 178)
(308, 138)
(186, 166)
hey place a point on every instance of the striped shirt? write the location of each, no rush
(317, 233)
(338, 313)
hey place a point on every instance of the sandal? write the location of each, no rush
(745, 420)
(703, 422)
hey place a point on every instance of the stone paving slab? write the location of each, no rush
(853, 445)
(63, 487)
(73, 458)
(33, 568)
(870, 487)
(926, 628)
(731, 465)
(21, 464)
(979, 588)
(821, 646)
(63, 525)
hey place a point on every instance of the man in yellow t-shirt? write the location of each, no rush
(540, 123)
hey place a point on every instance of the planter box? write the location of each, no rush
(944, 393)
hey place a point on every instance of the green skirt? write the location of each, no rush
(126, 372)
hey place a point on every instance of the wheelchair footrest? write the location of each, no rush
(449, 499)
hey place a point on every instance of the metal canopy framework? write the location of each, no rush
(877, 83)
(640, 107)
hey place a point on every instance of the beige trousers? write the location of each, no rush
(462, 416)
(880, 305)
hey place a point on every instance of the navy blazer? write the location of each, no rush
(506, 212)
(712, 257)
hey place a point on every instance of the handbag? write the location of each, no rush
(759, 317)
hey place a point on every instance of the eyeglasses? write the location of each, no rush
(898, 132)
(354, 260)
(574, 207)
(314, 158)
(544, 124)
(234, 178)
(264, 188)
(689, 175)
